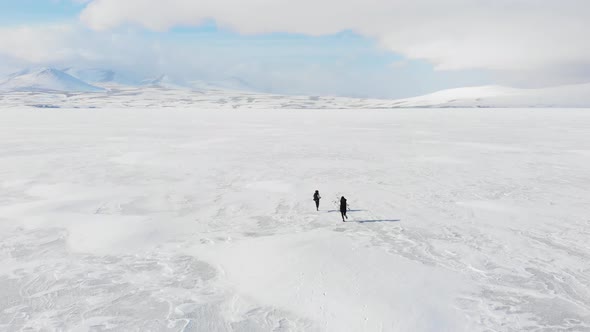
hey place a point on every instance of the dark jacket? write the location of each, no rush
(343, 204)
(316, 196)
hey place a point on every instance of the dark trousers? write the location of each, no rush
(317, 204)
(343, 214)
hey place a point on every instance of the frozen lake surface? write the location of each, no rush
(163, 220)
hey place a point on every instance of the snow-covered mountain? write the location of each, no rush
(46, 80)
(498, 96)
(101, 76)
(227, 84)
(164, 81)
(230, 83)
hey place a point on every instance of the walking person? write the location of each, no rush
(343, 208)
(316, 198)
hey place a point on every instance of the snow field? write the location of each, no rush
(462, 220)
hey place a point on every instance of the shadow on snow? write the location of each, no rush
(331, 211)
(377, 220)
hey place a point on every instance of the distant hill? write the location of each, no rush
(230, 83)
(101, 76)
(502, 97)
(165, 82)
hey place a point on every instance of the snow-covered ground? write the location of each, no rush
(137, 220)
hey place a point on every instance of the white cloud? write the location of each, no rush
(272, 65)
(504, 35)
(523, 42)
(35, 44)
(71, 44)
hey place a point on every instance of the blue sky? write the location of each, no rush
(314, 55)
(28, 11)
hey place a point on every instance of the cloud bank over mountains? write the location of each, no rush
(499, 35)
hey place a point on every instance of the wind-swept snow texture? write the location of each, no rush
(167, 220)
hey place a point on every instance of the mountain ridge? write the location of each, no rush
(237, 93)
(46, 80)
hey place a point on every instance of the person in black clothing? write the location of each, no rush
(316, 198)
(343, 207)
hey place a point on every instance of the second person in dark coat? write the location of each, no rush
(343, 208)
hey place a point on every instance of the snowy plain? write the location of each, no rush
(195, 220)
